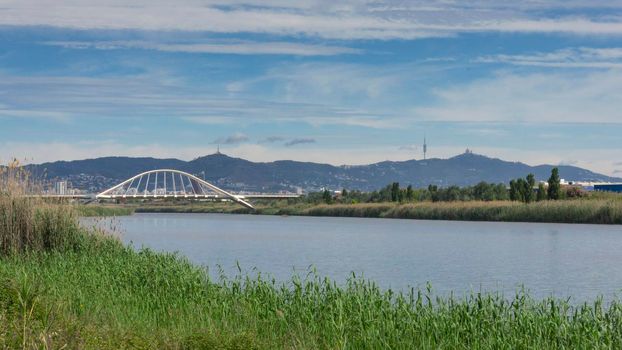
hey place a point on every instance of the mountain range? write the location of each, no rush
(286, 175)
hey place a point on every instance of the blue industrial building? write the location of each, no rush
(609, 188)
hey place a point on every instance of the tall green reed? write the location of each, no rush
(27, 223)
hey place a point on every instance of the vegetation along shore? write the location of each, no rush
(523, 201)
(62, 286)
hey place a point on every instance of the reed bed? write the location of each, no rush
(569, 211)
(28, 224)
(605, 210)
(100, 210)
(108, 296)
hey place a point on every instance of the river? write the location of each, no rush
(578, 261)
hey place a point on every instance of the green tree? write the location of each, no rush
(530, 184)
(500, 192)
(521, 186)
(395, 192)
(410, 194)
(554, 191)
(483, 192)
(433, 191)
(514, 192)
(327, 197)
(541, 192)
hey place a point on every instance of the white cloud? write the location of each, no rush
(222, 47)
(30, 113)
(334, 82)
(410, 148)
(582, 57)
(272, 139)
(325, 19)
(152, 96)
(537, 98)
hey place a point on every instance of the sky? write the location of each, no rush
(340, 82)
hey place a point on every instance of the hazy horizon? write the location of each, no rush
(348, 82)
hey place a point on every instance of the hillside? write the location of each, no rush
(241, 174)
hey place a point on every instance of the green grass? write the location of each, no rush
(104, 295)
(99, 210)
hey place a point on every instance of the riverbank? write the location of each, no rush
(64, 287)
(102, 210)
(579, 211)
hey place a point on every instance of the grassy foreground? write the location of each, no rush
(62, 287)
(104, 296)
(592, 211)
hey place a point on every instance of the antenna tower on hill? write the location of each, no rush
(425, 147)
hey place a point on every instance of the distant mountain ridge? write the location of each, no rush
(241, 174)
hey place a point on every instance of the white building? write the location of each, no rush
(60, 188)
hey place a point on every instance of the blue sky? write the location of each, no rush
(341, 82)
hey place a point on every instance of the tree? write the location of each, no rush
(484, 191)
(326, 196)
(344, 193)
(395, 192)
(522, 185)
(433, 191)
(531, 182)
(410, 194)
(500, 192)
(513, 190)
(541, 192)
(554, 191)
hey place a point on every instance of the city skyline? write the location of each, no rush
(341, 83)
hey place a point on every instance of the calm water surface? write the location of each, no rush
(581, 261)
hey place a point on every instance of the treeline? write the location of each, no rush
(521, 190)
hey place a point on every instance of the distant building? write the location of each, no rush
(608, 188)
(60, 188)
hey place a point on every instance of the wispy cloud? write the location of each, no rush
(236, 47)
(231, 139)
(566, 97)
(569, 162)
(300, 141)
(333, 20)
(272, 139)
(582, 57)
(408, 148)
(161, 95)
(33, 113)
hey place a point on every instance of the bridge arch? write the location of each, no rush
(153, 184)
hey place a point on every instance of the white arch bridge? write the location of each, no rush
(170, 183)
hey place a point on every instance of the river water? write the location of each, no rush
(577, 261)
